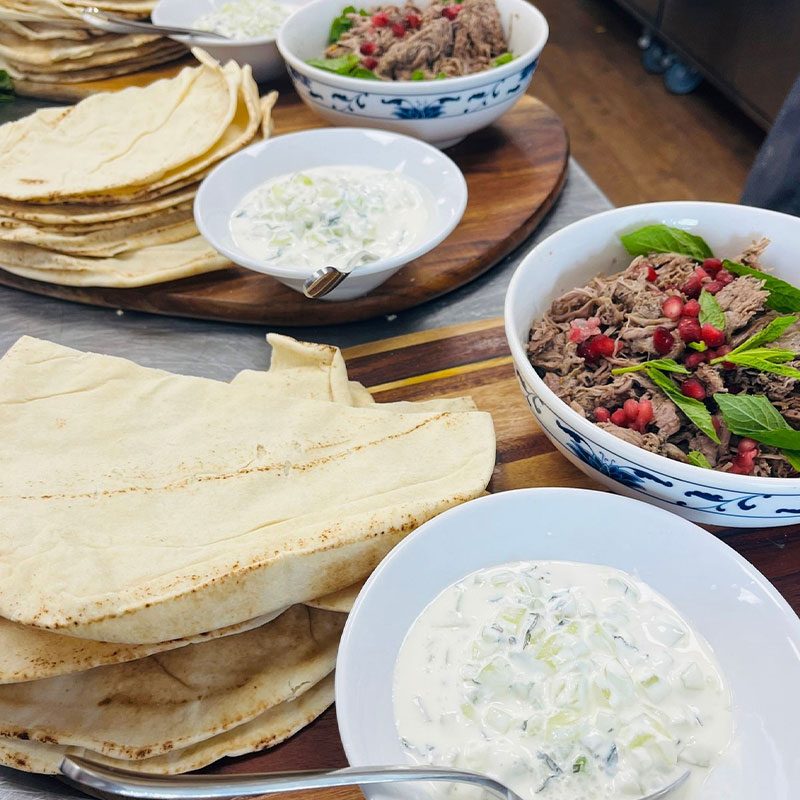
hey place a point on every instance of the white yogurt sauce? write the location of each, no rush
(564, 681)
(327, 216)
(245, 19)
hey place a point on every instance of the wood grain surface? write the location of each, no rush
(514, 169)
(473, 359)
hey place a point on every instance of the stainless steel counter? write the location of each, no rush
(219, 350)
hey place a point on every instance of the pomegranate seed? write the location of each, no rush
(702, 274)
(583, 351)
(451, 12)
(712, 265)
(723, 351)
(370, 62)
(367, 49)
(712, 336)
(724, 277)
(663, 341)
(694, 360)
(747, 445)
(601, 346)
(602, 414)
(645, 412)
(692, 287)
(712, 287)
(398, 29)
(620, 418)
(692, 387)
(582, 329)
(691, 308)
(380, 20)
(414, 20)
(689, 329)
(745, 461)
(672, 307)
(652, 275)
(631, 409)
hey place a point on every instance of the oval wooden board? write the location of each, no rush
(515, 171)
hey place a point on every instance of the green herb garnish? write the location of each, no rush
(783, 296)
(441, 76)
(6, 87)
(698, 459)
(417, 75)
(341, 24)
(663, 364)
(503, 58)
(693, 409)
(754, 416)
(701, 347)
(751, 355)
(349, 65)
(663, 239)
(711, 311)
(793, 457)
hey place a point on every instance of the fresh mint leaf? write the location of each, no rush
(770, 333)
(663, 239)
(663, 364)
(701, 347)
(711, 311)
(793, 457)
(417, 75)
(345, 65)
(503, 58)
(340, 25)
(775, 367)
(6, 87)
(749, 413)
(693, 409)
(698, 459)
(783, 296)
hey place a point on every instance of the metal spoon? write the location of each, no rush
(326, 279)
(105, 782)
(114, 24)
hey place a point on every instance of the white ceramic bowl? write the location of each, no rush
(223, 189)
(441, 112)
(260, 52)
(570, 258)
(752, 630)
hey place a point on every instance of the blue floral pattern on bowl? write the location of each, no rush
(704, 502)
(379, 104)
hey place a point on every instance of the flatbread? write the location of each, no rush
(78, 213)
(135, 268)
(21, 49)
(266, 730)
(43, 31)
(176, 698)
(28, 654)
(341, 601)
(250, 504)
(116, 140)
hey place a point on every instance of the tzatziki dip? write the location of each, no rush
(245, 19)
(564, 681)
(339, 216)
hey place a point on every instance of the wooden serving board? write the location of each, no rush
(514, 169)
(473, 359)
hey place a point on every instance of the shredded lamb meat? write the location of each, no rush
(437, 41)
(626, 310)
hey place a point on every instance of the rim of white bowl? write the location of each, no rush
(630, 451)
(403, 87)
(381, 265)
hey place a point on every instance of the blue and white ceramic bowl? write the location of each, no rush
(570, 258)
(441, 112)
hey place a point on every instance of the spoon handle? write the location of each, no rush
(114, 24)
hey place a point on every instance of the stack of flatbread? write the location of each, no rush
(47, 42)
(100, 193)
(163, 539)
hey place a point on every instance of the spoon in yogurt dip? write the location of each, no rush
(326, 279)
(101, 781)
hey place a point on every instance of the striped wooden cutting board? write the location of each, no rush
(473, 359)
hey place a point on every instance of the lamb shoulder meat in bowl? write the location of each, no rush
(683, 354)
(391, 42)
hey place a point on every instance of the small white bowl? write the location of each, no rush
(754, 633)
(441, 112)
(569, 259)
(221, 192)
(260, 52)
